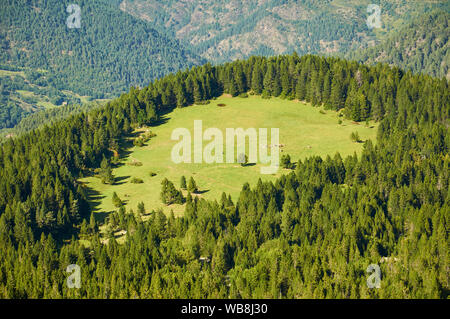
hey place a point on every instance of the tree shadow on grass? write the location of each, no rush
(202, 191)
(248, 164)
(95, 197)
(100, 217)
(126, 142)
(162, 120)
(120, 180)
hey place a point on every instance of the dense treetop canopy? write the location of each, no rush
(312, 233)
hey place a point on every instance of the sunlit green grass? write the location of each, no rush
(304, 131)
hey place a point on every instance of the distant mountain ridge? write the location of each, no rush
(221, 31)
(421, 46)
(105, 56)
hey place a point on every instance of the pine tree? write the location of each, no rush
(183, 182)
(257, 79)
(336, 95)
(286, 161)
(116, 200)
(141, 209)
(106, 172)
(169, 194)
(192, 186)
(269, 79)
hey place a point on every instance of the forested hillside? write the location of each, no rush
(105, 56)
(312, 233)
(47, 117)
(121, 43)
(24, 91)
(421, 46)
(221, 31)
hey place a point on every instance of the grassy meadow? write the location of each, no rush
(304, 130)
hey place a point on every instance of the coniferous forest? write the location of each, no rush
(310, 234)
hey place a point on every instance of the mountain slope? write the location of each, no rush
(421, 46)
(105, 56)
(312, 233)
(226, 30)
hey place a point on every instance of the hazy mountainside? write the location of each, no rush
(46, 117)
(46, 64)
(421, 46)
(24, 91)
(226, 30)
(105, 56)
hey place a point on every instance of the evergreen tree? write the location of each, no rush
(192, 186)
(183, 182)
(169, 194)
(106, 172)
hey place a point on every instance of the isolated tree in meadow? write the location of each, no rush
(192, 186)
(183, 182)
(355, 137)
(116, 200)
(242, 159)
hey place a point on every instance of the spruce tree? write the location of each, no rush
(192, 186)
(183, 182)
(106, 172)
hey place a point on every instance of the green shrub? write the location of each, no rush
(202, 102)
(136, 180)
(135, 163)
(265, 95)
(286, 162)
(138, 142)
(355, 137)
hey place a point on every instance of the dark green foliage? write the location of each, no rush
(106, 172)
(116, 200)
(309, 234)
(99, 57)
(192, 186)
(169, 194)
(354, 136)
(141, 209)
(136, 180)
(285, 161)
(183, 182)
